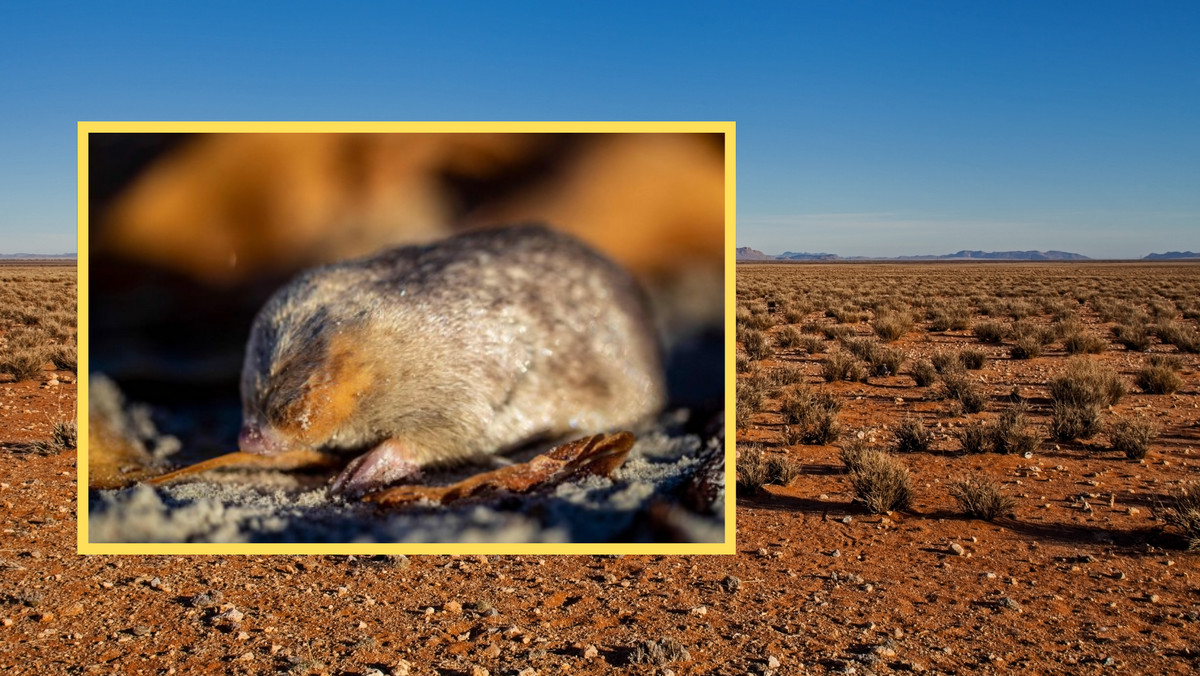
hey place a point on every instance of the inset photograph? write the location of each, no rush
(364, 335)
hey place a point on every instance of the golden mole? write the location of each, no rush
(471, 346)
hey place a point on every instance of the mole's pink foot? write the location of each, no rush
(388, 463)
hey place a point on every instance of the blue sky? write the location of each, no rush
(876, 128)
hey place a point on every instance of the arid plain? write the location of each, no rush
(1084, 571)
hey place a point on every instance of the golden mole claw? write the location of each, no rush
(600, 454)
(289, 460)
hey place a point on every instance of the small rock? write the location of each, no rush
(957, 549)
(233, 615)
(836, 553)
(731, 584)
(401, 668)
(847, 519)
(492, 651)
(699, 610)
(590, 652)
(772, 662)
(477, 670)
(246, 657)
(1010, 603)
(452, 607)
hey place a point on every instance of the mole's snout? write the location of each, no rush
(261, 440)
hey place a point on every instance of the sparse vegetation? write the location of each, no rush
(990, 332)
(891, 327)
(1133, 337)
(1183, 512)
(981, 498)
(752, 472)
(960, 387)
(1132, 437)
(924, 373)
(839, 365)
(1079, 393)
(881, 482)
(1081, 342)
(788, 337)
(24, 363)
(810, 417)
(912, 436)
(1158, 380)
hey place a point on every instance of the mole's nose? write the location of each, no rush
(256, 439)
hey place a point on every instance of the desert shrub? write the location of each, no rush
(1019, 309)
(836, 331)
(741, 363)
(812, 327)
(1158, 380)
(960, 387)
(847, 315)
(912, 436)
(759, 321)
(945, 361)
(862, 348)
(750, 392)
(981, 498)
(751, 469)
(787, 338)
(882, 483)
(951, 319)
(892, 327)
(24, 363)
(887, 361)
(812, 344)
(838, 365)
(810, 417)
(1026, 347)
(794, 315)
(1181, 336)
(1170, 361)
(1079, 393)
(1183, 512)
(1132, 437)
(1025, 331)
(924, 373)
(781, 470)
(852, 452)
(64, 435)
(1161, 309)
(64, 357)
(990, 332)
(1068, 327)
(1086, 382)
(755, 343)
(975, 437)
(1132, 336)
(788, 374)
(1011, 433)
(1074, 421)
(972, 359)
(1081, 342)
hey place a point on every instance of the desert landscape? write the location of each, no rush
(1086, 570)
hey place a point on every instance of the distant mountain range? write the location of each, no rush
(1171, 255)
(29, 255)
(747, 254)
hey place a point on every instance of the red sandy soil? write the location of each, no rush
(821, 586)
